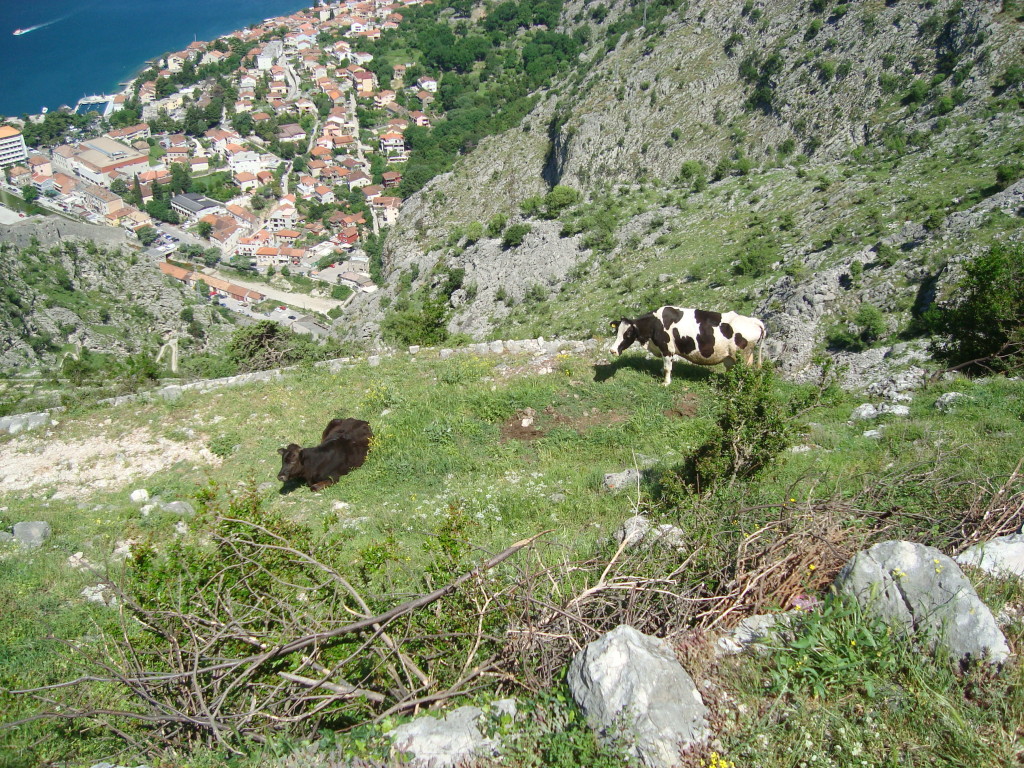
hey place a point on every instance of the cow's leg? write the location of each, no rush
(668, 369)
(322, 484)
(729, 362)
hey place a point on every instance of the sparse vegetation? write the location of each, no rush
(443, 486)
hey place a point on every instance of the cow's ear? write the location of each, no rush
(615, 324)
(282, 451)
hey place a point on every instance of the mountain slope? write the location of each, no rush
(68, 283)
(747, 158)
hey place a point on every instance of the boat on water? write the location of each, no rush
(20, 31)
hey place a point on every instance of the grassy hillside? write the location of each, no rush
(454, 477)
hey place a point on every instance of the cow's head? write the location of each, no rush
(291, 463)
(626, 333)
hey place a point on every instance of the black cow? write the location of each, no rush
(342, 448)
(702, 337)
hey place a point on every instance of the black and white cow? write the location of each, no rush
(702, 337)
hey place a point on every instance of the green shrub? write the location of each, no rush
(988, 319)
(886, 255)
(752, 429)
(268, 345)
(425, 324)
(1008, 173)
(1012, 76)
(889, 82)
(532, 206)
(496, 225)
(514, 235)
(559, 199)
(222, 445)
(756, 258)
(943, 105)
(858, 333)
(474, 231)
(918, 92)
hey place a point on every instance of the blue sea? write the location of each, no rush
(78, 48)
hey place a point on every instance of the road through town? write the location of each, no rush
(301, 300)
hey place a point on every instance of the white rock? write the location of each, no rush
(123, 550)
(1002, 556)
(888, 409)
(864, 412)
(100, 593)
(79, 562)
(444, 742)
(631, 685)
(920, 590)
(139, 495)
(950, 400)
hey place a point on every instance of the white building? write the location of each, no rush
(271, 53)
(12, 146)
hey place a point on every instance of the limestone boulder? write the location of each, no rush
(617, 481)
(924, 592)
(638, 531)
(631, 686)
(1002, 556)
(450, 740)
(31, 534)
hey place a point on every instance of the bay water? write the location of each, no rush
(77, 48)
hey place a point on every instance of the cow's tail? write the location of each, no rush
(759, 346)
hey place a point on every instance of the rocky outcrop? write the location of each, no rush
(71, 283)
(631, 685)
(922, 591)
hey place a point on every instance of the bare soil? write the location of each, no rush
(528, 425)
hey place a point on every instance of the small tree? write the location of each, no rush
(474, 231)
(986, 328)
(147, 236)
(752, 429)
(514, 235)
(497, 225)
(560, 198)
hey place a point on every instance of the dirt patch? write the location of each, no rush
(685, 407)
(98, 463)
(530, 425)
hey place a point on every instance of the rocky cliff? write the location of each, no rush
(70, 283)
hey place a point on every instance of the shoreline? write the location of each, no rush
(124, 79)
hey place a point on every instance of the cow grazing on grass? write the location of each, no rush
(704, 338)
(342, 448)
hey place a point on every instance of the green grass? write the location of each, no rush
(442, 446)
